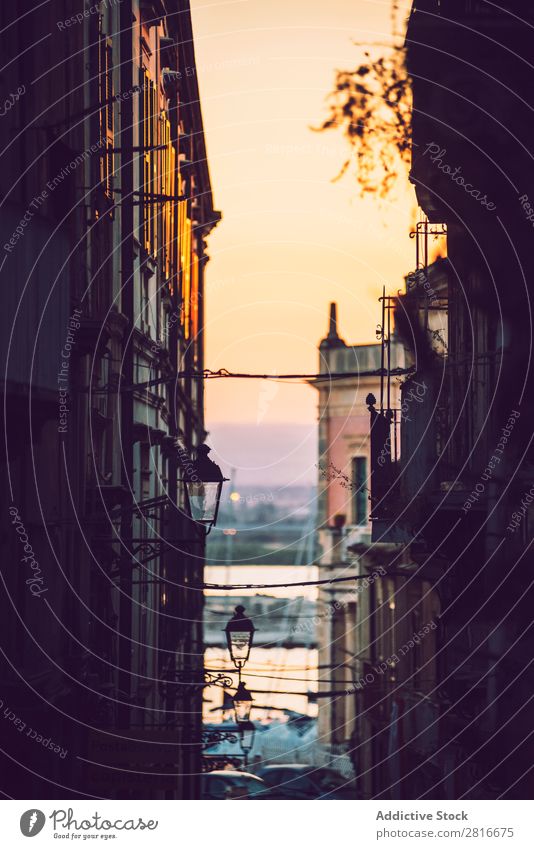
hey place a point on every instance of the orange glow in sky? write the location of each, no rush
(290, 240)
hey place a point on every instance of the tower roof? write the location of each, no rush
(333, 340)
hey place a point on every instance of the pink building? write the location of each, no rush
(344, 434)
(352, 373)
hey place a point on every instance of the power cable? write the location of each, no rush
(322, 582)
(222, 373)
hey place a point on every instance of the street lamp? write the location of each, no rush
(242, 700)
(203, 486)
(239, 636)
(242, 704)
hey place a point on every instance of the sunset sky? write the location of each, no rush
(290, 240)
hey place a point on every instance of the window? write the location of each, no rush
(150, 159)
(359, 496)
(194, 298)
(338, 657)
(145, 303)
(146, 471)
(168, 188)
(105, 98)
(101, 461)
(102, 376)
(185, 235)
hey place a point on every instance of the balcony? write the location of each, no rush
(434, 464)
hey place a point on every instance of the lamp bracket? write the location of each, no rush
(199, 679)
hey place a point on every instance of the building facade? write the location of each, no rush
(363, 624)
(107, 205)
(459, 509)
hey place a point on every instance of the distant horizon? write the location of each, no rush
(288, 455)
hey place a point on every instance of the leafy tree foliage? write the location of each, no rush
(371, 105)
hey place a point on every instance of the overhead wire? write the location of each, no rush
(222, 373)
(283, 677)
(317, 583)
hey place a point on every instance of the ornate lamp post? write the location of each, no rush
(203, 486)
(242, 700)
(244, 730)
(239, 636)
(242, 703)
